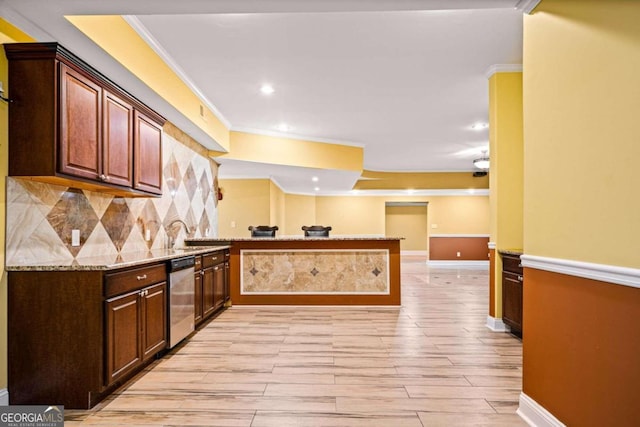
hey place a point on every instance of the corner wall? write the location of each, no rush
(582, 103)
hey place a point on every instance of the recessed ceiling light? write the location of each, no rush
(267, 89)
(479, 126)
(314, 179)
(283, 127)
(316, 189)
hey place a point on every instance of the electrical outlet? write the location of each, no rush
(458, 254)
(147, 235)
(233, 224)
(75, 237)
(434, 225)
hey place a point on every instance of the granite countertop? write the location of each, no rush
(294, 238)
(99, 263)
(516, 252)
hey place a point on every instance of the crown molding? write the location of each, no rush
(502, 68)
(586, 270)
(142, 31)
(526, 6)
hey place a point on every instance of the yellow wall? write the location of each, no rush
(246, 202)
(260, 202)
(506, 144)
(277, 207)
(459, 214)
(351, 214)
(409, 222)
(582, 110)
(420, 180)
(8, 34)
(300, 210)
(296, 152)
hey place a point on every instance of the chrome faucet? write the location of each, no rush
(170, 240)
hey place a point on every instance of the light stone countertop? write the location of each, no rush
(516, 252)
(123, 260)
(293, 238)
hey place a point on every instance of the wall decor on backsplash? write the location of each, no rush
(40, 217)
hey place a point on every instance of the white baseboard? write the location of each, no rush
(459, 264)
(4, 397)
(535, 415)
(497, 325)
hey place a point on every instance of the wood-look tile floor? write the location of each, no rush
(431, 362)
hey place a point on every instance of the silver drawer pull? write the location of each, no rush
(144, 276)
(520, 278)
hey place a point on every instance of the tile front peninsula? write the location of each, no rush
(312, 270)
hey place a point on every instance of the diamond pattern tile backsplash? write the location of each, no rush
(40, 216)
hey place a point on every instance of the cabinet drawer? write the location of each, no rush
(198, 264)
(512, 264)
(129, 280)
(212, 259)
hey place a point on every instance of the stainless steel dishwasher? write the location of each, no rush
(181, 298)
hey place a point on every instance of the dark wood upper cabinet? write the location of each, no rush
(117, 146)
(71, 125)
(147, 155)
(80, 148)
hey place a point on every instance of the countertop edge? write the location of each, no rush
(150, 259)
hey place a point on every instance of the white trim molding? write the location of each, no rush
(4, 397)
(526, 6)
(497, 325)
(602, 272)
(144, 33)
(459, 264)
(491, 245)
(502, 68)
(535, 414)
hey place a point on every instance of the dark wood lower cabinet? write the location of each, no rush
(212, 285)
(75, 336)
(512, 282)
(124, 349)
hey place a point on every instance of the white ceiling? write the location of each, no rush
(405, 79)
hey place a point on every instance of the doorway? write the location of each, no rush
(408, 220)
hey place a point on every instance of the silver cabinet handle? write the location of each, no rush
(104, 177)
(144, 276)
(520, 278)
(216, 267)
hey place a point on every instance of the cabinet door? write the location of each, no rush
(124, 349)
(154, 319)
(512, 300)
(147, 145)
(197, 298)
(208, 299)
(218, 286)
(80, 152)
(117, 150)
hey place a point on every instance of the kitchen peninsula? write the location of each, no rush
(300, 270)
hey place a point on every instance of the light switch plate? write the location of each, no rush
(75, 237)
